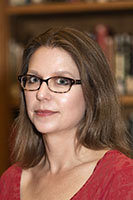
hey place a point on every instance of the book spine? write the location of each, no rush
(101, 32)
(18, 2)
(119, 64)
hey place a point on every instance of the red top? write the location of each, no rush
(112, 179)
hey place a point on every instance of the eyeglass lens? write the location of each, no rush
(56, 84)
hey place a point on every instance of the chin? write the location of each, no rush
(45, 129)
(44, 126)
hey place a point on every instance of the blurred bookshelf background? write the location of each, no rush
(110, 23)
(24, 2)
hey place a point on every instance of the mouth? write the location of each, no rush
(45, 113)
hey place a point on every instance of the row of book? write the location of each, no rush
(118, 48)
(24, 2)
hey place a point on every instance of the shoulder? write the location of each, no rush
(116, 171)
(117, 161)
(10, 182)
(12, 172)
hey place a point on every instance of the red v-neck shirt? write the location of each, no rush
(112, 179)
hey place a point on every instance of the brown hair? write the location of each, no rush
(102, 126)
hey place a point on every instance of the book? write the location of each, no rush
(101, 33)
(18, 2)
(127, 57)
(119, 64)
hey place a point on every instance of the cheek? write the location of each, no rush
(73, 104)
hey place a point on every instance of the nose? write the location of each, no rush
(43, 93)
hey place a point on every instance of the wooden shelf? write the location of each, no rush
(77, 7)
(127, 100)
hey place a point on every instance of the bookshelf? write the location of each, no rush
(89, 14)
(47, 8)
(82, 10)
(34, 17)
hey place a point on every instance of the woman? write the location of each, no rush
(71, 142)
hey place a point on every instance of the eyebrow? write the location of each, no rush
(63, 73)
(57, 73)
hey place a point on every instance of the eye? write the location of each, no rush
(33, 79)
(62, 81)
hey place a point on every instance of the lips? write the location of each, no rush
(45, 113)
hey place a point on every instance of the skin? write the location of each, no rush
(65, 116)
(64, 163)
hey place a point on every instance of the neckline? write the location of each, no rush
(99, 163)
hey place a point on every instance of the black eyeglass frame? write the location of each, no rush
(72, 81)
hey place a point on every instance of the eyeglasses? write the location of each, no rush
(57, 84)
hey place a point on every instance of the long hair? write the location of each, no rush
(102, 126)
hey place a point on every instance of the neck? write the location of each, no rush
(61, 151)
(64, 154)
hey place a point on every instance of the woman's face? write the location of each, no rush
(54, 112)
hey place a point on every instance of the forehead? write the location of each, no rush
(51, 60)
